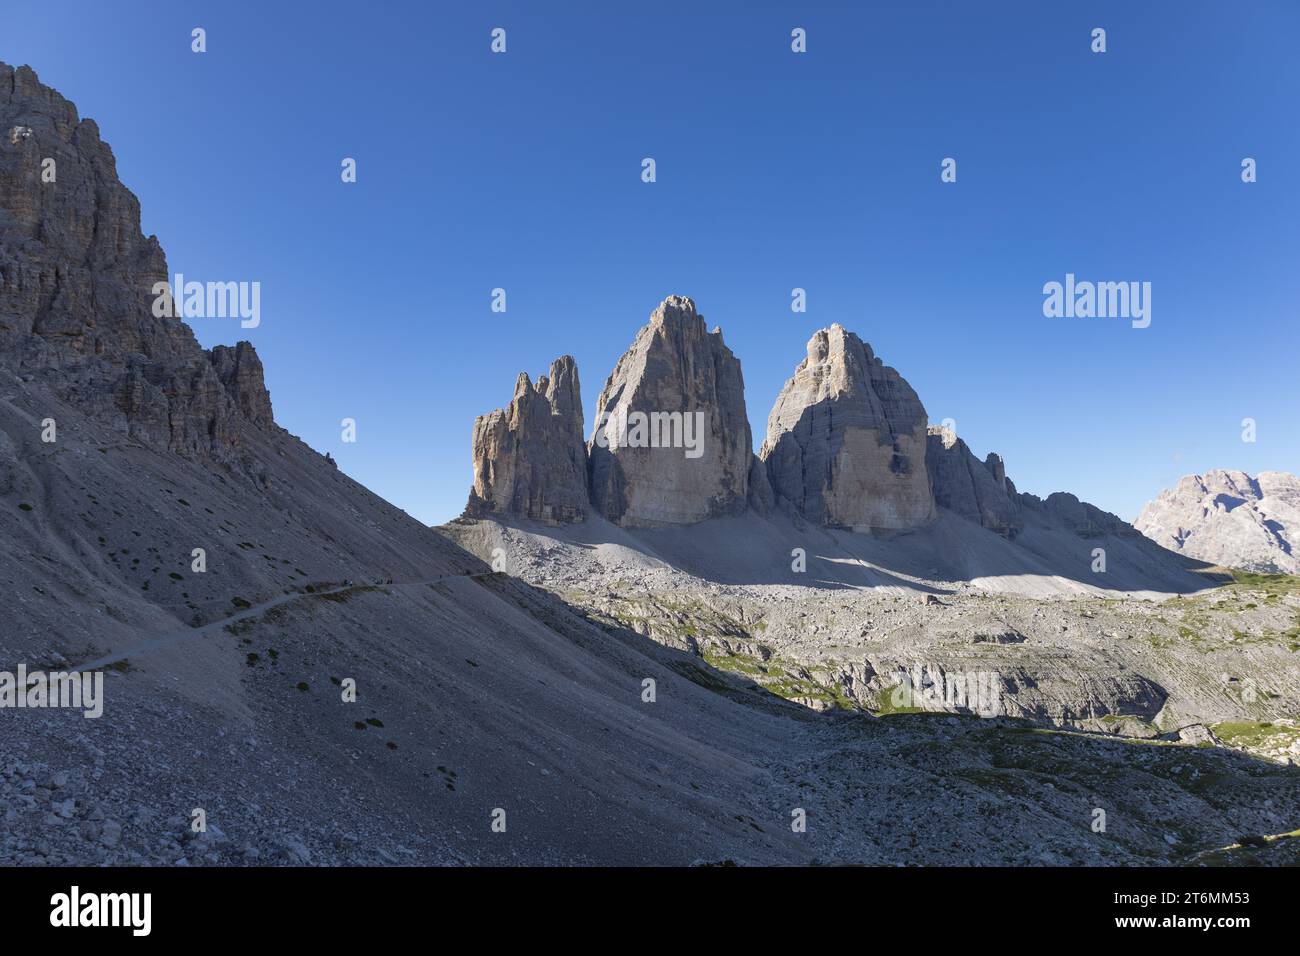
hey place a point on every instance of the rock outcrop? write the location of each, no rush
(977, 490)
(847, 443)
(672, 443)
(529, 458)
(846, 440)
(76, 289)
(1067, 511)
(1230, 519)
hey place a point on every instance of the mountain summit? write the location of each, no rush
(77, 280)
(1230, 519)
(846, 440)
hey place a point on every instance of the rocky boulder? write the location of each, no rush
(671, 443)
(977, 490)
(529, 458)
(1230, 519)
(846, 440)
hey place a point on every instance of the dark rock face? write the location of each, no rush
(685, 382)
(240, 372)
(1085, 520)
(968, 487)
(761, 499)
(846, 440)
(77, 280)
(529, 458)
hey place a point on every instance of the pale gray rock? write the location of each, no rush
(529, 458)
(686, 384)
(1230, 519)
(976, 490)
(846, 440)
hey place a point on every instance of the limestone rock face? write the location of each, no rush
(76, 289)
(1231, 519)
(846, 440)
(529, 458)
(977, 490)
(671, 443)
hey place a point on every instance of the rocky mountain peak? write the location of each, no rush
(1228, 518)
(672, 443)
(846, 439)
(529, 458)
(977, 490)
(675, 308)
(77, 276)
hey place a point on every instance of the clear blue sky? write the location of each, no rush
(775, 170)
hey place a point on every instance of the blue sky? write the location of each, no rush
(775, 170)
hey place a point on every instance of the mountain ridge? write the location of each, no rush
(848, 446)
(1229, 518)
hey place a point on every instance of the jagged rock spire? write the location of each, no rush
(966, 486)
(529, 457)
(671, 443)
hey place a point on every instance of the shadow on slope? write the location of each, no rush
(1044, 560)
(477, 693)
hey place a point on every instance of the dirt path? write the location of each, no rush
(212, 627)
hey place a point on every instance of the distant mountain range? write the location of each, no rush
(1230, 519)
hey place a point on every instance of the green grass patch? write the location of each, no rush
(1269, 583)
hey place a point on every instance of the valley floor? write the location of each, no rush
(519, 695)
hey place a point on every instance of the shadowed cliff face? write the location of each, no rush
(76, 290)
(977, 490)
